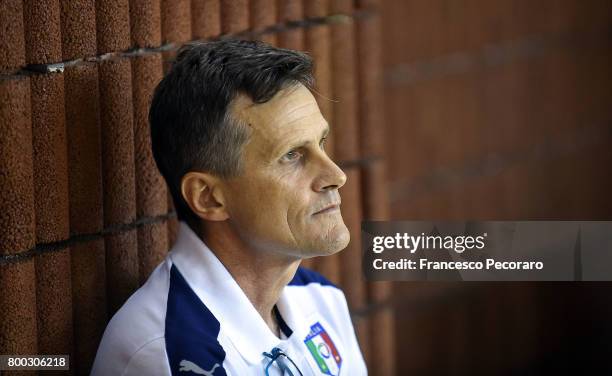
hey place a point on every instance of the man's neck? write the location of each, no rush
(261, 275)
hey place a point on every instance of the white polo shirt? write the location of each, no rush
(191, 318)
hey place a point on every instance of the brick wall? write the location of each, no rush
(499, 110)
(469, 109)
(86, 216)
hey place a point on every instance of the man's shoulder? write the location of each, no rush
(138, 326)
(310, 286)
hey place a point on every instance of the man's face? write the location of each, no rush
(286, 200)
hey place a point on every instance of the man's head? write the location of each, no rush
(239, 138)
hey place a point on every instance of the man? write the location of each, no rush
(239, 139)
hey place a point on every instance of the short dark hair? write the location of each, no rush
(191, 127)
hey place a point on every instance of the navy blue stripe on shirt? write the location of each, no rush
(282, 323)
(191, 331)
(305, 276)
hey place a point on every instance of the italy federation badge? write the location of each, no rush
(323, 350)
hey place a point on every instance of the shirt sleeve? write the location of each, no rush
(151, 359)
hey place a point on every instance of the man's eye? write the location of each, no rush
(293, 155)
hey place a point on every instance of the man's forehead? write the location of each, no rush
(289, 105)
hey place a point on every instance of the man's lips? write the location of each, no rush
(328, 209)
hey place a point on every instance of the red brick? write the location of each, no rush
(176, 21)
(78, 29)
(152, 248)
(371, 115)
(50, 158)
(18, 302)
(53, 290)
(341, 6)
(86, 213)
(362, 329)
(345, 92)
(43, 34)
(263, 15)
(116, 115)
(84, 154)
(367, 4)
(151, 188)
(88, 302)
(113, 25)
(17, 223)
(205, 19)
(291, 10)
(375, 192)
(234, 16)
(12, 40)
(145, 23)
(382, 330)
(121, 268)
(151, 193)
(316, 8)
(54, 303)
(329, 266)
(116, 110)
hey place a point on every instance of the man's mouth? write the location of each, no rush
(328, 209)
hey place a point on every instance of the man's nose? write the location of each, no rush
(330, 176)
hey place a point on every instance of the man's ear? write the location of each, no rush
(203, 193)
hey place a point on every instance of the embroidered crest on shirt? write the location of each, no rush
(323, 350)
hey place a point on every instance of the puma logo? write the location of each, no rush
(187, 366)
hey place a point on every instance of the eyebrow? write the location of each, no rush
(324, 133)
(298, 145)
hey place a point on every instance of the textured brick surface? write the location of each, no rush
(151, 192)
(291, 10)
(150, 186)
(522, 89)
(345, 92)
(54, 303)
(88, 269)
(50, 158)
(88, 301)
(78, 29)
(205, 19)
(145, 23)
(53, 287)
(16, 187)
(18, 302)
(316, 8)
(84, 152)
(234, 16)
(113, 25)
(43, 36)
(341, 6)
(12, 41)
(116, 114)
(474, 139)
(263, 14)
(176, 21)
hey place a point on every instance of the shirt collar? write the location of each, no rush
(217, 289)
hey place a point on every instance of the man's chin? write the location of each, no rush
(335, 243)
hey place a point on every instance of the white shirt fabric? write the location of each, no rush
(191, 318)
